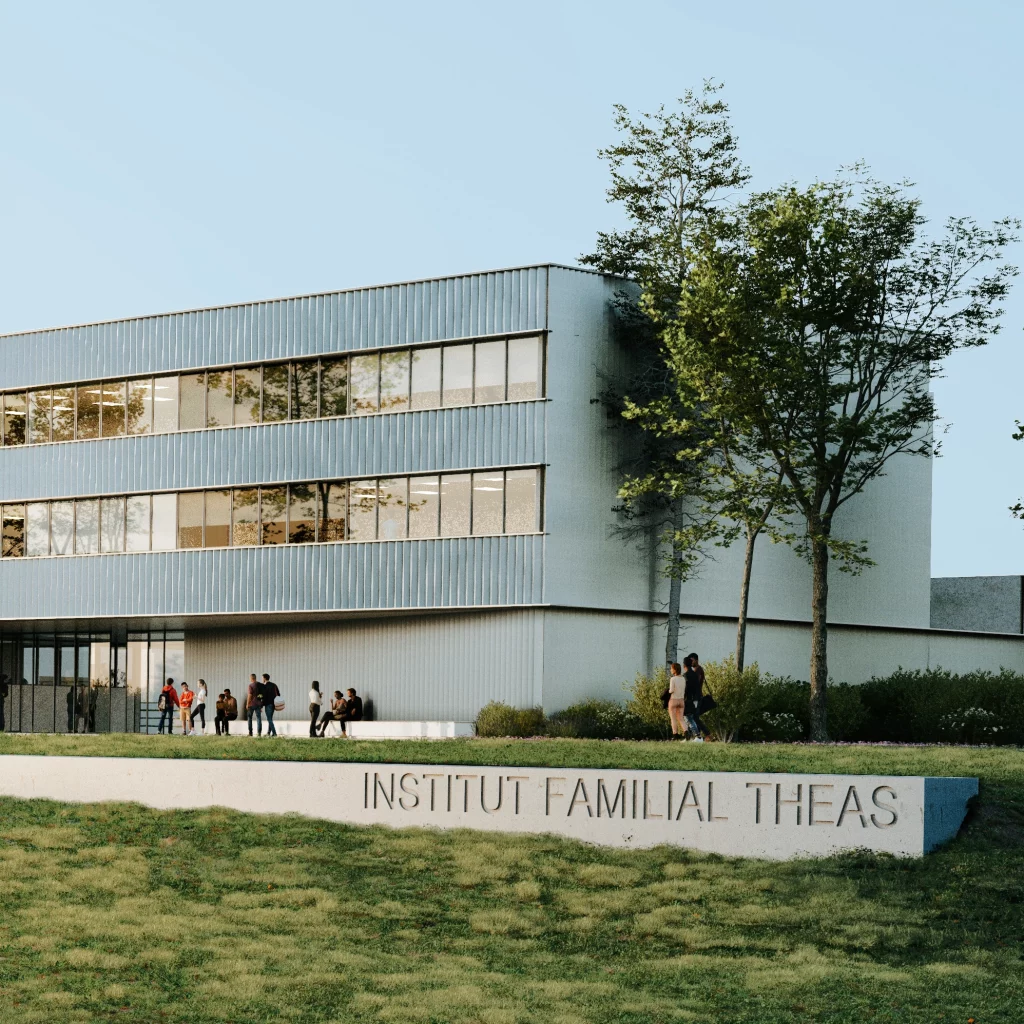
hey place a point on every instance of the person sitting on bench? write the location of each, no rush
(353, 706)
(338, 713)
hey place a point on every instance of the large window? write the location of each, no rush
(389, 381)
(485, 503)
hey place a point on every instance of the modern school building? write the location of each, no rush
(408, 489)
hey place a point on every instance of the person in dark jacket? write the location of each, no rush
(166, 703)
(271, 693)
(353, 708)
(693, 690)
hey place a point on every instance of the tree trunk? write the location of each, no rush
(675, 587)
(819, 636)
(741, 621)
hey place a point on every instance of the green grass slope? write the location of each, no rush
(114, 912)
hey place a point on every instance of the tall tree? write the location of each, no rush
(819, 326)
(672, 171)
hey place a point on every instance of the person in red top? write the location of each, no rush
(185, 703)
(165, 704)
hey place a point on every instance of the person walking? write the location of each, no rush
(316, 698)
(220, 720)
(676, 700)
(230, 709)
(165, 704)
(353, 709)
(185, 700)
(199, 707)
(270, 694)
(693, 690)
(254, 704)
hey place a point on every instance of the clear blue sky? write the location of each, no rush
(156, 156)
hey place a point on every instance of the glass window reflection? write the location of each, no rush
(394, 381)
(334, 387)
(38, 417)
(190, 519)
(165, 522)
(245, 514)
(87, 526)
(489, 373)
(457, 374)
(362, 510)
(192, 401)
(488, 502)
(37, 529)
(426, 378)
(455, 505)
(275, 392)
(112, 524)
(302, 503)
(363, 384)
(522, 501)
(273, 515)
(165, 405)
(14, 419)
(524, 369)
(140, 407)
(13, 531)
(62, 527)
(305, 389)
(333, 511)
(137, 521)
(247, 395)
(112, 397)
(88, 412)
(63, 414)
(219, 400)
(392, 504)
(424, 506)
(217, 532)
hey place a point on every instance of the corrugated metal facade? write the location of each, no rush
(452, 573)
(399, 314)
(442, 439)
(425, 668)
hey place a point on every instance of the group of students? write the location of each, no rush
(262, 697)
(687, 701)
(342, 709)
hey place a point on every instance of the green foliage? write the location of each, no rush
(740, 697)
(600, 720)
(937, 706)
(497, 719)
(644, 702)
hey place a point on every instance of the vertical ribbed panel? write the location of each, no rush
(400, 314)
(431, 667)
(443, 439)
(456, 572)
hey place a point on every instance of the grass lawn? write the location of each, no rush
(114, 912)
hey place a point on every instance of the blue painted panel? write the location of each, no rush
(443, 439)
(400, 314)
(450, 573)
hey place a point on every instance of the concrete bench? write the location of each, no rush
(376, 730)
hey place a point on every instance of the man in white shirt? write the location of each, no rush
(315, 700)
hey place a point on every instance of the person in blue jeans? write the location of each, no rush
(270, 694)
(254, 705)
(166, 703)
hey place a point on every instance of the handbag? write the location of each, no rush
(707, 703)
(666, 696)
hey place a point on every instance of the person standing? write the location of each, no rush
(165, 704)
(220, 720)
(199, 707)
(693, 690)
(254, 705)
(270, 694)
(676, 700)
(185, 703)
(4, 690)
(315, 700)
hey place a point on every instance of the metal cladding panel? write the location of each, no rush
(431, 667)
(443, 439)
(399, 314)
(448, 573)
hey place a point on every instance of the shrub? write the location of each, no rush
(599, 720)
(780, 727)
(644, 702)
(497, 719)
(739, 695)
(846, 712)
(928, 707)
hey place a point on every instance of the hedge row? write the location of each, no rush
(906, 707)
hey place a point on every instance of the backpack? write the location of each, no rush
(163, 702)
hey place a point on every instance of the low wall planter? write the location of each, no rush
(738, 814)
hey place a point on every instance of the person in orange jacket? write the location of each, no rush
(185, 703)
(165, 704)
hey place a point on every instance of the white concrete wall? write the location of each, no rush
(588, 565)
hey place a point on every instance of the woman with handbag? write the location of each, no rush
(676, 702)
